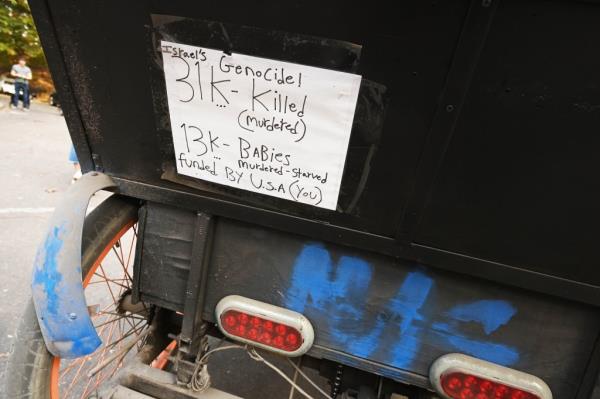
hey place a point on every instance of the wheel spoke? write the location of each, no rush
(128, 334)
(120, 246)
(102, 354)
(114, 281)
(111, 321)
(130, 315)
(133, 240)
(72, 364)
(111, 279)
(74, 379)
(123, 265)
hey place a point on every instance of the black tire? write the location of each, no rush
(29, 365)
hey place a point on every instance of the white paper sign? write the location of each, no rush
(262, 125)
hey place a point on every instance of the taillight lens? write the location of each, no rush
(264, 325)
(466, 386)
(262, 331)
(458, 376)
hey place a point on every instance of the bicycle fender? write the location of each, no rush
(57, 287)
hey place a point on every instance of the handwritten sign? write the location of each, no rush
(257, 124)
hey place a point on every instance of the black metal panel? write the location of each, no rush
(517, 183)
(505, 195)
(587, 388)
(406, 49)
(460, 74)
(62, 82)
(506, 274)
(596, 389)
(164, 264)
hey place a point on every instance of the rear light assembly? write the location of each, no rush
(457, 376)
(263, 325)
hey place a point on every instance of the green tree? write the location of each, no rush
(18, 35)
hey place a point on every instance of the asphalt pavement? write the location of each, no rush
(34, 174)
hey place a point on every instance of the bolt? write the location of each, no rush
(449, 108)
(72, 316)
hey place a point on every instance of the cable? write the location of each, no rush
(311, 382)
(255, 356)
(200, 380)
(204, 358)
(292, 389)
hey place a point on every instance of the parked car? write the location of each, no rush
(7, 85)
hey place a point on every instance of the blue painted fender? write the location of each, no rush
(57, 284)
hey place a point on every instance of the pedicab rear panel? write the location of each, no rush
(391, 317)
(468, 203)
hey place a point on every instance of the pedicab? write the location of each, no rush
(335, 199)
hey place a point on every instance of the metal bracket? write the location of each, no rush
(57, 284)
(192, 340)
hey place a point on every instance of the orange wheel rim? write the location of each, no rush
(98, 270)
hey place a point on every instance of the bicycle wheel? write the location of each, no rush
(108, 246)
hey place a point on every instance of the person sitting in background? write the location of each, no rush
(22, 74)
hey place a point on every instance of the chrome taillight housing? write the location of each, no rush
(263, 325)
(457, 376)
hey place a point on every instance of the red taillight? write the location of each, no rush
(458, 376)
(261, 330)
(264, 325)
(465, 386)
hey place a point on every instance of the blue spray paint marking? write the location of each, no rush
(410, 298)
(77, 337)
(47, 275)
(317, 285)
(339, 292)
(404, 306)
(491, 314)
(490, 351)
